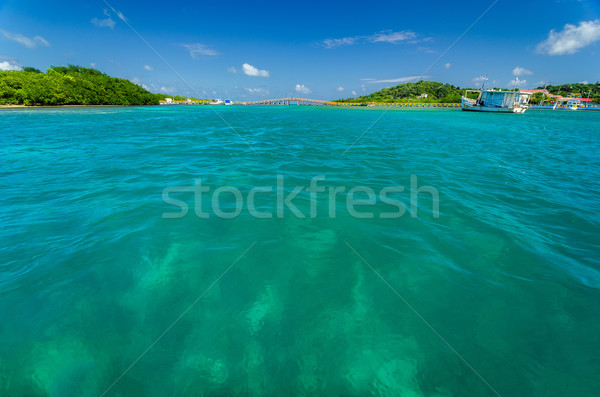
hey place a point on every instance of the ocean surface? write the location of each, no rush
(476, 272)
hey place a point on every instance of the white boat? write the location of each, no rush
(216, 102)
(496, 101)
(573, 104)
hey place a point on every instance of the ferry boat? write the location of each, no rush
(496, 101)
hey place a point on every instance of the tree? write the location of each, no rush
(538, 97)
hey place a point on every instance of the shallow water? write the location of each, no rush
(506, 279)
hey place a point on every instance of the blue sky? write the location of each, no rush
(323, 50)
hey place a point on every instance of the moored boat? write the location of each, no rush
(496, 101)
(573, 104)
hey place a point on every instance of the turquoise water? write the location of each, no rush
(92, 273)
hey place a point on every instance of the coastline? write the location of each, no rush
(65, 106)
(397, 105)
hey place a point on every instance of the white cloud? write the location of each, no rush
(108, 22)
(232, 70)
(584, 82)
(332, 43)
(340, 89)
(93, 64)
(252, 71)
(196, 49)
(260, 91)
(137, 81)
(396, 80)
(519, 71)
(571, 39)
(104, 23)
(392, 37)
(301, 88)
(363, 87)
(447, 66)
(41, 40)
(386, 36)
(427, 50)
(354, 93)
(8, 65)
(478, 80)
(24, 40)
(148, 67)
(167, 90)
(517, 83)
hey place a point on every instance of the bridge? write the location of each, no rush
(319, 102)
(290, 100)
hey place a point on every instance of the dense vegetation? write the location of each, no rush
(576, 88)
(70, 85)
(410, 92)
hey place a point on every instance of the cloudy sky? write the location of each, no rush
(323, 50)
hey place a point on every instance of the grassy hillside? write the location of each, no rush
(410, 92)
(71, 85)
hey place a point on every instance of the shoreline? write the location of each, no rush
(341, 105)
(372, 105)
(66, 106)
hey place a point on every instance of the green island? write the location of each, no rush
(419, 92)
(70, 85)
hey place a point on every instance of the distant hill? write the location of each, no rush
(410, 92)
(70, 85)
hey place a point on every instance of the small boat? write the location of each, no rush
(496, 101)
(573, 104)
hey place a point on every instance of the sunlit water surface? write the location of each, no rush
(500, 294)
